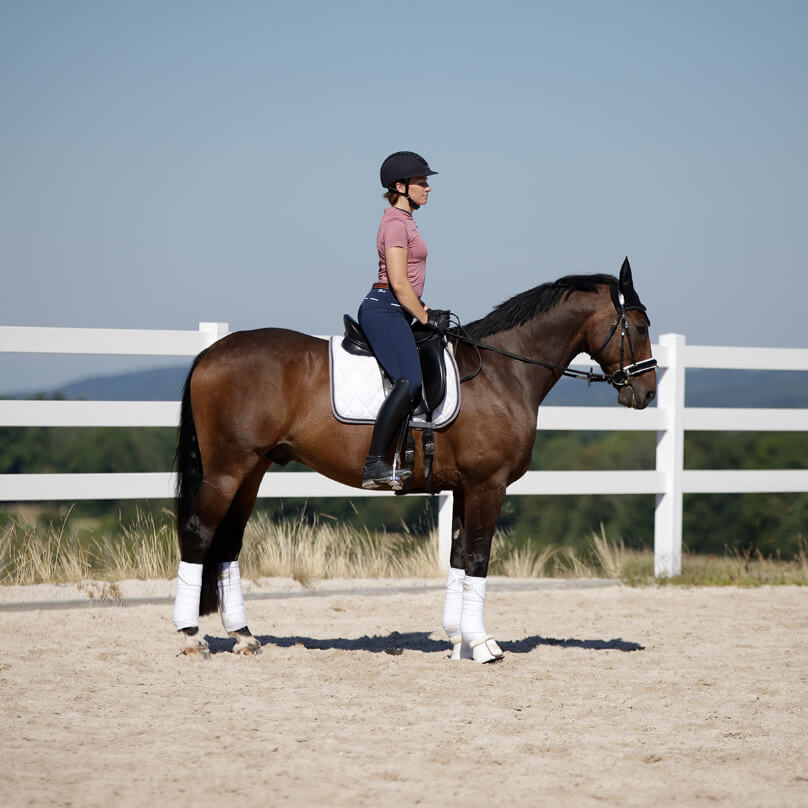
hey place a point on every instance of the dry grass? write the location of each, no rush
(305, 551)
(308, 549)
(743, 569)
(63, 553)
(147, 548)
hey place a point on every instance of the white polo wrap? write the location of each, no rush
(186, 602)
(230, 597)
(472, 625)
(453, 605)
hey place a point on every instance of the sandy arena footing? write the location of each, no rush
(608, 695)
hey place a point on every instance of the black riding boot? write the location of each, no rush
(377, 472)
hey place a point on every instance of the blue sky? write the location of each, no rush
(167, 163)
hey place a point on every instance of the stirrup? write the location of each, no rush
(384, 476)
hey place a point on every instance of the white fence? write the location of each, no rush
(669, 481)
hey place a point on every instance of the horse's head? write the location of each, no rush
(618, 340)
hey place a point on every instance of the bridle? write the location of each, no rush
(620, 378)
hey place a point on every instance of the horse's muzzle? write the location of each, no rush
(635, 395)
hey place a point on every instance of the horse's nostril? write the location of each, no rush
(650, 396)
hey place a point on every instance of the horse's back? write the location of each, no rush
(260, 351)
(266, 392)
(248, 365)
(279, 341)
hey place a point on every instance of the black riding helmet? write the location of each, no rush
(402, 166)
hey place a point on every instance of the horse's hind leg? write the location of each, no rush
(227, 547)
(196, 538)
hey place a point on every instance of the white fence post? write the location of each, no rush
(445, 507)
(215, 331)
(670, 460)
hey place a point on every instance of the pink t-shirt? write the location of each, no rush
(398, 229)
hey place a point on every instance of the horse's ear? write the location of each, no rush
(625, 283)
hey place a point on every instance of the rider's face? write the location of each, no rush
(419, 190)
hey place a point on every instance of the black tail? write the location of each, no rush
(188, 463)
(187, 459)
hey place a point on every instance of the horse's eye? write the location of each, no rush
(641, 329)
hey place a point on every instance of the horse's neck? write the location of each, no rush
(554, 338)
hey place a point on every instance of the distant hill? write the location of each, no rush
(705, 388)
(159, 384)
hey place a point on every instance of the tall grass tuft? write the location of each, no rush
(144, 548)
(29, 555)
(306, 550)
(526, 561)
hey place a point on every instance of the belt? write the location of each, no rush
(381, 286)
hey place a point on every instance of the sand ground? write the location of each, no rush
(608, 695)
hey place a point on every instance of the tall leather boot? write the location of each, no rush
(377, 472)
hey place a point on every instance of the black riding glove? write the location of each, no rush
(438, 320)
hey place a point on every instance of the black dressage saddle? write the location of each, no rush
(430, 345)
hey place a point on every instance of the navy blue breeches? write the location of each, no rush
(386, 324)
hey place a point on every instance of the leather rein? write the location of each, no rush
(620, 378)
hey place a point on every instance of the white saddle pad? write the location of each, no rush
(357, 391)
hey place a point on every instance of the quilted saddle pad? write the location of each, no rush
(357, 390)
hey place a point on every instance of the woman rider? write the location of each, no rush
(387, 311)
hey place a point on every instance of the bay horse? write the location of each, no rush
(260, 397)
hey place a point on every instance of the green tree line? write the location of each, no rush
(769, 523)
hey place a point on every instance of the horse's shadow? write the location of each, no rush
(396, 643)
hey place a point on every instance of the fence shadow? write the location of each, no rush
(396, 643)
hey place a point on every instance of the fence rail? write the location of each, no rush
(669, 481)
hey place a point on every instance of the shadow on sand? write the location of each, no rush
(395, 643)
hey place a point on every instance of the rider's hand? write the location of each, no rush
(438, 320)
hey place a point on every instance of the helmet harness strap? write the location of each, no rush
(406, 183)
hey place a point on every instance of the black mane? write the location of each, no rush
(527, 305)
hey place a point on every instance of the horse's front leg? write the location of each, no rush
(453, 605)
(482, 506)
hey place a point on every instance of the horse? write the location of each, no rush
(260, 397)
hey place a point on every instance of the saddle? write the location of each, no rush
(430, 346)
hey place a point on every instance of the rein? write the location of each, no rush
(620, 378)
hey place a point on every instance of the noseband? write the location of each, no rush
(620, 378)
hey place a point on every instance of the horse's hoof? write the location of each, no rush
(195, 646)
(252, 648)
(200, 650)
(460, 649)
(486, 650)
(246, 645)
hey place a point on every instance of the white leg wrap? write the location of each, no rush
(186, 602)
(230, 597)
(472, 626)
(452, 611)
(453, 605)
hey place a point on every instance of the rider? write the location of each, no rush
(388, 309)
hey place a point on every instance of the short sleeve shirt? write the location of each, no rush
(398, 229)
